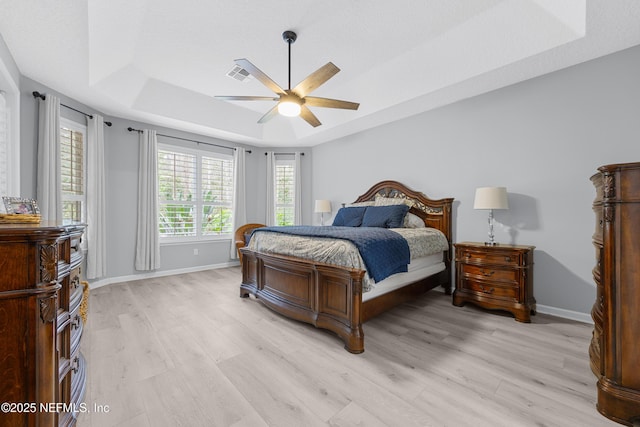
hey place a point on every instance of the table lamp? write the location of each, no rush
(491, 198)
(322, 207)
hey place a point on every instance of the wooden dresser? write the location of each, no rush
(496, 277)
(42, 373)
(615, 346)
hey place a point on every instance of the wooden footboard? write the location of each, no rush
(326, 296)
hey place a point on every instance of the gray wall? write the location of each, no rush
(121, 151)
(542, 139)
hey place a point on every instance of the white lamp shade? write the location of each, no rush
(323, 206)
(491, 198)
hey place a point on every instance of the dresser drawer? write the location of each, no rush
(490, 289)
(484, 257)
(477, 271)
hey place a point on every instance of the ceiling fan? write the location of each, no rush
(293, 102)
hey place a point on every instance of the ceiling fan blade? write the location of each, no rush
(309, 117)
(315, 79)
(330, 103)
(255, 72)
(269, 115)
(246, 98)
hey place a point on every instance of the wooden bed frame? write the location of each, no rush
(329, 296)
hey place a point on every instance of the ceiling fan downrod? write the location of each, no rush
(289, 37)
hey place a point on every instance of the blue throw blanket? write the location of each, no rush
(383, 251)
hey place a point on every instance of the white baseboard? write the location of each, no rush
(150, 275)
(553, 311)
(566, 314)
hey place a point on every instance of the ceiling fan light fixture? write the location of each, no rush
(291, 101)
(289, 108)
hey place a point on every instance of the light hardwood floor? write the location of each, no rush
(188, 351)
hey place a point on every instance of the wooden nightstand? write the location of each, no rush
(496, 277)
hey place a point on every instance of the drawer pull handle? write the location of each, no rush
(486, 273)
(76, 322)
(488, 291)
(507, 258)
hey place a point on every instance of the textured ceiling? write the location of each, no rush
(162, 61)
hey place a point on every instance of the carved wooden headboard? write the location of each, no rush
(434, 213)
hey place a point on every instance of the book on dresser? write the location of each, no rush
(42, 368)
(615, 346)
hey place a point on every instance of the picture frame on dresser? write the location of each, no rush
(19, 206)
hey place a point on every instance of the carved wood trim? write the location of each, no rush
(608, 212)
(48, 263)
(609, 186)
(48, 308)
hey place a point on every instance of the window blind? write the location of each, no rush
(196, 194)
(72, 173)
(285, 192)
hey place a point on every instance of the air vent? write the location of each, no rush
(240, 74)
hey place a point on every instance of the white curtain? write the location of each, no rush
(4, 150)
(48, 187)
(239, 196)
(271, 188)
(148, 235)
(298, 191)
(96, 199)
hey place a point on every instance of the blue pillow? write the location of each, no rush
(385, 216)
(349, 217)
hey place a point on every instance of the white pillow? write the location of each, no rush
(367, 203)
(413, 221)
(389, 201)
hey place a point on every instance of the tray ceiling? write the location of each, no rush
(162, 61)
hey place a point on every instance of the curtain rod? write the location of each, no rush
(42, 96)
(130, 129)
(284, 154)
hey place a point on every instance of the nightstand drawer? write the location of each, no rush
(507, 275)
(494, 257)
(490, 289)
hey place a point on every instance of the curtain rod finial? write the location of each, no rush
(37, 94)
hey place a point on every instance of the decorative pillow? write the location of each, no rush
(349, 217)
(367, 203)
(413, 221)
(385, 216)
(389, 201)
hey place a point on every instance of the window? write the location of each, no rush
(285, 192)
(72, 170)
(195, 193)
